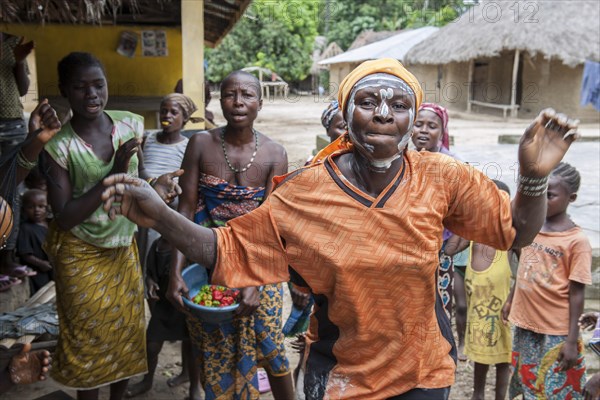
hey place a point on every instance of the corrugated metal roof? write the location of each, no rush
(394, 47)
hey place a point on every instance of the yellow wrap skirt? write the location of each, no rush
(100, 304)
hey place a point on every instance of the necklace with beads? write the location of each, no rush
(231, 167)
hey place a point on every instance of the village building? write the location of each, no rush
(146, 46)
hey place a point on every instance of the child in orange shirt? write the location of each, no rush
(548, 299)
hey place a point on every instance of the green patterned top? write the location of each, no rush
(85, 170)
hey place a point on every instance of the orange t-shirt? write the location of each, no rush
(378, 328)
(541, 299)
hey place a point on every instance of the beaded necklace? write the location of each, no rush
(231, 167)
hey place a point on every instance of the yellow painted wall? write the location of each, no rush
(136, 76)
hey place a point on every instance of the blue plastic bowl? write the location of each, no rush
(195, 277)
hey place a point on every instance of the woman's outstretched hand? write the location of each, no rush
(133, 198)
(545, 142)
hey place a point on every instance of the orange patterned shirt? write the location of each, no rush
(546, 267)
(378, 328)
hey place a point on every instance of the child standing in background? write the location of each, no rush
(548, 300)
(31, 237)
(163, 153)
(488, 340)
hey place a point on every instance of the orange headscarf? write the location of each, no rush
(384, 65)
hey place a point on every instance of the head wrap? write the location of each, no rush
(187, 105)
(331, 111)
(386, 66)
(442, 113)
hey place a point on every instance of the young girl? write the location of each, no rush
(98, 277)
(548, 300)
(488, 340)
(163, 153)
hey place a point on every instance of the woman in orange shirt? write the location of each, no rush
(362, 229)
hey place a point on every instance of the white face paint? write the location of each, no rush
(386, 94)
(386, 84)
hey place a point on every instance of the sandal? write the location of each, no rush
(263, 381)
(6, 282)
(22, 271)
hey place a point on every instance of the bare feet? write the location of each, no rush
(28, 367)
(138, 388)
(178, 380)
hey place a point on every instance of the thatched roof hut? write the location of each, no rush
(516, 57)
(566, 30)
(367, 37)
(219, 15)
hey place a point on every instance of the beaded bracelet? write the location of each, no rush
(24, 162)
(532, 187)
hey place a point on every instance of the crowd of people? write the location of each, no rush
(371, 235)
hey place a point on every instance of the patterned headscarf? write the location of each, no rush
(442, 113)
(331, 111)
(187, 106)
(384, 65)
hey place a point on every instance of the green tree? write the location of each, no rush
(273, 34)
(348, 18)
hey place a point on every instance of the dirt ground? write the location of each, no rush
(294, 123)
